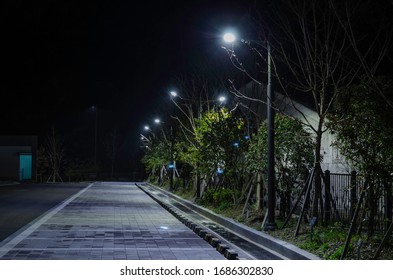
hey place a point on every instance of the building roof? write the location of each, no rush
(18, 140)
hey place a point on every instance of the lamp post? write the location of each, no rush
(172, 164)
(271, 191)
(95, 109)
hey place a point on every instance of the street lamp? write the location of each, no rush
(158, 122)
(145, 140)
(95, 109)
(271, 191)
(222, 99)
(229, 37)
(173, 93)
(172, 165)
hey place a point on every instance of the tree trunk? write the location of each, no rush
(352, 228)
(372, 210)
(317, 167)
(288, 200)
(282, 204)
(259, 194)
(197, 185)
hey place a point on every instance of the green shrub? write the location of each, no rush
(222, 198)
(208, 198)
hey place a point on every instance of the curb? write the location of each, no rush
(8, 183)
(283, 248)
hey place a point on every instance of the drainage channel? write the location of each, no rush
(250, 248)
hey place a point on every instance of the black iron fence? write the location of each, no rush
(340, 196)
(343, 196)
(345, 191)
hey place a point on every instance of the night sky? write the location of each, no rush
(59, 58)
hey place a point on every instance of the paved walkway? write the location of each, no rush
(107, 221)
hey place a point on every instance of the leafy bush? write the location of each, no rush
(222, 198)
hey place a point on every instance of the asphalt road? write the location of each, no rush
(22, 203)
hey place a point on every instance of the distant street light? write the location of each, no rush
(271, 224)
(146, 127)
(95, 109)
(222, 99)
(145, 139)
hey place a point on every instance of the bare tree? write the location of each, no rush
(191, 102)
(310, 60)
(42, 163)
(369, 30)
(313, 53)
(55, 155)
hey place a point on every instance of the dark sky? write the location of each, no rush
(58, 58)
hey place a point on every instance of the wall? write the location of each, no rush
(10, 149)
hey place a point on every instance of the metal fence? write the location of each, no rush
(345, 191)
(340, 191)
(340, 196)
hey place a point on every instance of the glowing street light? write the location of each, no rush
(229, 37)
(222, 99)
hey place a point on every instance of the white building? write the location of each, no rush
(253, 97)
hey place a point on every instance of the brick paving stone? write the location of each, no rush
(109, 221)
